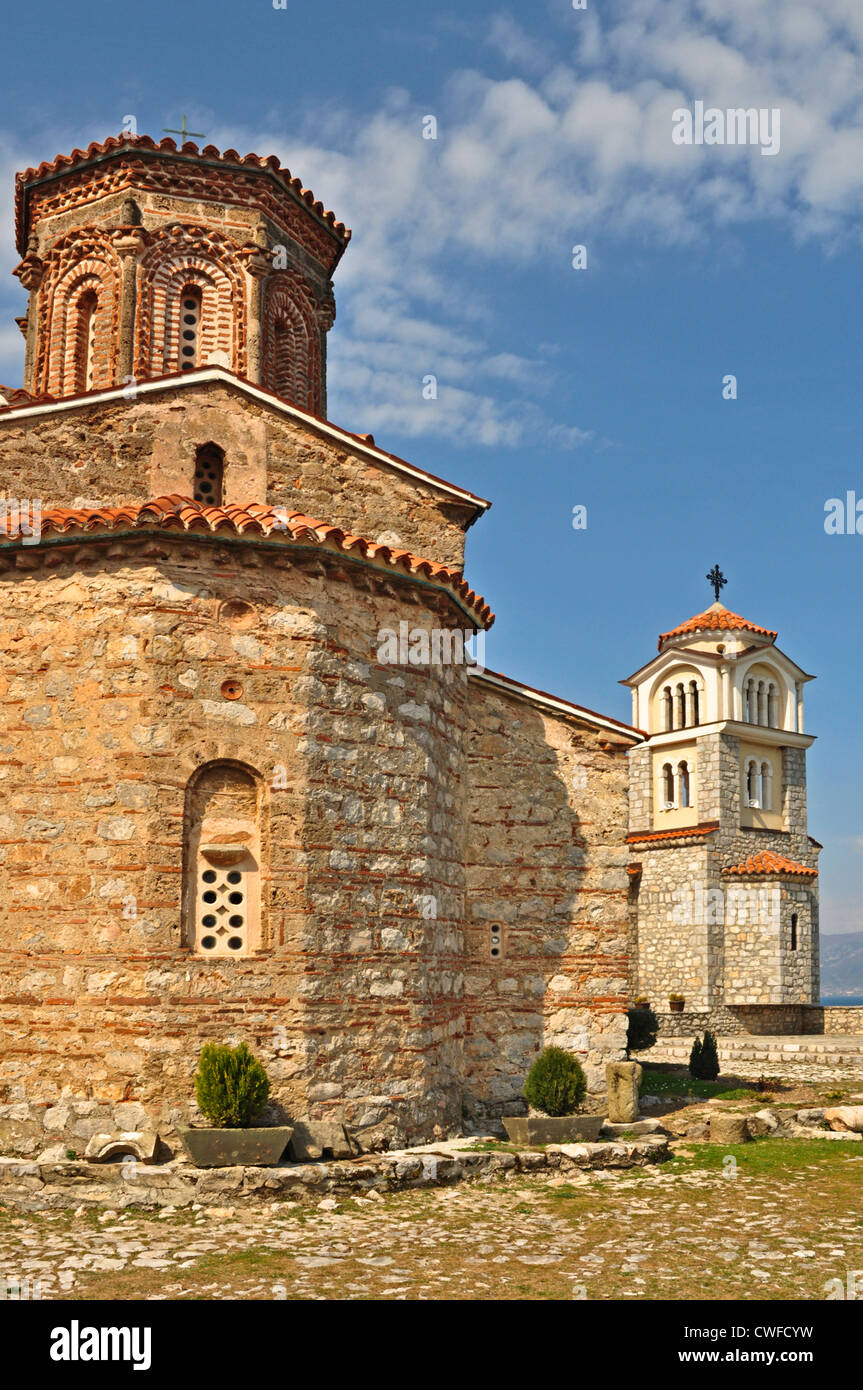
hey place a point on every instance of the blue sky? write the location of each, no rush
(556, 387)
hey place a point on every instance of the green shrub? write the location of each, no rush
(231, 1086)
(555, 1083)
(704, 1058)
(643, 1026)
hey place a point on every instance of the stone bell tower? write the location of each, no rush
(724, 907)
(143, 259)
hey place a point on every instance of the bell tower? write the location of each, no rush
(143, 259)
(724, 872)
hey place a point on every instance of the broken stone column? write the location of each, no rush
(622, 1080)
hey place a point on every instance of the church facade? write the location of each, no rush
(253, 787)
(232, 809)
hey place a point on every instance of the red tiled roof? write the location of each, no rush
(766, 862)
(15, 395)
(120, 143)
(639, 837)
(716, 618)
(177, 513)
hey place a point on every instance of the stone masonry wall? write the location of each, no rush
(110, 699)
(546, 871)
(725, 942)
(129, 451)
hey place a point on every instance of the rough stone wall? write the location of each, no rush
(130, 450)
(111, 694)
(675, 941)
(546, 865)
(834, 1018)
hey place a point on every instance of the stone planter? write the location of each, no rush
(228, 1148)
(531, 1131)
(676, 1005)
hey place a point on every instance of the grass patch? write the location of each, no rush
(666, 1084)
(770, 1156)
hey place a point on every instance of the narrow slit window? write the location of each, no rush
(85, 347)
(190, 327)
(794, 931)
(684, 798)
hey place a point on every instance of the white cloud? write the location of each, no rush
(566, 149)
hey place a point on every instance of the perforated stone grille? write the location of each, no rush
(222, 924)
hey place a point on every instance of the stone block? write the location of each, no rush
(623, 1080)
(140, 1144)
(313, 1139)
(726, 1128)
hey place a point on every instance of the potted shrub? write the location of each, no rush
(556, 1086)
(231, 1088)
(704, 1058)
(676, 1003)
(641, 1001)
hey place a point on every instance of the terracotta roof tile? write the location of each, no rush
(766, 862)
(716, 618)
(639, 837)
(176, 513)
(119, 144)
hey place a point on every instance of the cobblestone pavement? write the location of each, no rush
(775, 1219)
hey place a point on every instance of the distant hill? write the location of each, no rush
(842, 964)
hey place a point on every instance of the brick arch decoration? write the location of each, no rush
(80, 264)
(183, 256)
(292, 351)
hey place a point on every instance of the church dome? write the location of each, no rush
(716, 618)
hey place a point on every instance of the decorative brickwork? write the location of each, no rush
(82, 268)
(139, 224)
(292, 355)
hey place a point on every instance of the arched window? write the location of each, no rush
(667, 709)
(693, 702)
(684, 796)
(762, 703)
(766, 786)
(222, 845)
(772, 706)
(191, 303)
(752, 798)
(85, 340)
(209, 482)
(681, 707)
(668, 787)
(748, 702)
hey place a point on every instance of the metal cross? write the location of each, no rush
(717, 579)
(186, 134)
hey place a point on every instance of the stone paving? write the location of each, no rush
(782, 1225)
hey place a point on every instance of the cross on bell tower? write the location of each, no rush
(717, 579)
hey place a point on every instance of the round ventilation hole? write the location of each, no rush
(232, 690)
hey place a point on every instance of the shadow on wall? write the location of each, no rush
(547, 889)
